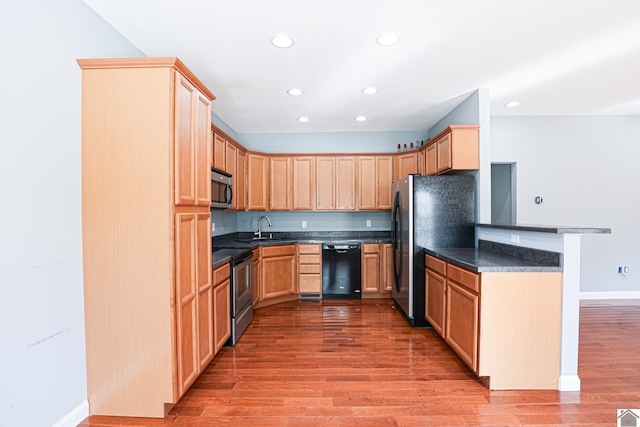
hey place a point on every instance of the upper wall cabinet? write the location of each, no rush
(374, 182)
(454, 150)
(304, 176)
(257, 182)
(280, 183)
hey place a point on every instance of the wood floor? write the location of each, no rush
(360, 364)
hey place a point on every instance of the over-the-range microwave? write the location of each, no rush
(221, 191)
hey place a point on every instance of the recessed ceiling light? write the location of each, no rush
(282, 41)
(303, 119)
(295, 92)
(387, 39)
(369, 90)
(361, 119)
(512, 104)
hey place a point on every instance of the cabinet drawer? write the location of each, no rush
(309, 259)
(310, 283)
(270, 251)
(436, 264)
(221, 273)
(309, 268)
(309, 249)
(465, 278)
(371, 248)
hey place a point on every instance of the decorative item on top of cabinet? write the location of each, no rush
(454, 150)
(222, 305)
(152, 294)
(310, 269)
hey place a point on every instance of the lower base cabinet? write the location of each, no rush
(504, 325)
(377, 270)
(278, 271)
(310, 269)
(221, 306)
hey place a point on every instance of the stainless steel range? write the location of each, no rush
(241, 295)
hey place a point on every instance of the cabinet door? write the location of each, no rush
(310, 269)
(256, 275)
(203, 150)
(431, 159)
(384, 178)
(304, 174)
(367, 183)
(444, 153)
(387, 268)
(280, 183)
(230, 167)
(219, 151)
(435, 291)
(325, 183)
(186, 301)
(461, 324)
(278, 271)
(346, 183)
(240, 182)
(205, 290)
(185, 143)
(222, 313)
(407, 164)
(421, 163)
(370, 267)
(258, 182)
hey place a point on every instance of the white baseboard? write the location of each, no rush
(610, 295)
(569, 383)
(75, 417)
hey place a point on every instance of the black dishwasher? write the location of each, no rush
(341, 271)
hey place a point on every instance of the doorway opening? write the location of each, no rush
(503, 193)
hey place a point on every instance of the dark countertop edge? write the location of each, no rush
(553, 229)
(505, 268)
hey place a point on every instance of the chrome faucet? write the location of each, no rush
(259, 232)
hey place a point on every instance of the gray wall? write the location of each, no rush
(587, 171)
(42, 355)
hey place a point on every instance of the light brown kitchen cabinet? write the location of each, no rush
(370, 267)
(147, 272)
(256, 275)
(374, 182)
(345, 183)
(304, 175)
(280, 184)
(387, 267)
(219, 151)
(454, 150)
(325, 183)
(436, 293)
(310, 269)
(222, 306)
(422, 169)
(240, 182)
(257, 182)
(231, 158)
(278, 271)
(461, 324)
(406, 163)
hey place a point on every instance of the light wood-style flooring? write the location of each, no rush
(359, 363)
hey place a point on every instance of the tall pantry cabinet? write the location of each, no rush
(146, 225)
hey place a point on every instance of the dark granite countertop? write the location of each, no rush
(227, 246)
(498, 257)
(554, 229)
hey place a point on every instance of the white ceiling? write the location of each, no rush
(557, 57)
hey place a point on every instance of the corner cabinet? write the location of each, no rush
(146, 226)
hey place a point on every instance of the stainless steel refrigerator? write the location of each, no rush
(428, 212)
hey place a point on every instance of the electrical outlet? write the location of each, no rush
(213, 227)
(368, 223)
(626, 268)
(304, 224)
(515, 238)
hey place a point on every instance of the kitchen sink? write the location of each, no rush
(261, 239)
